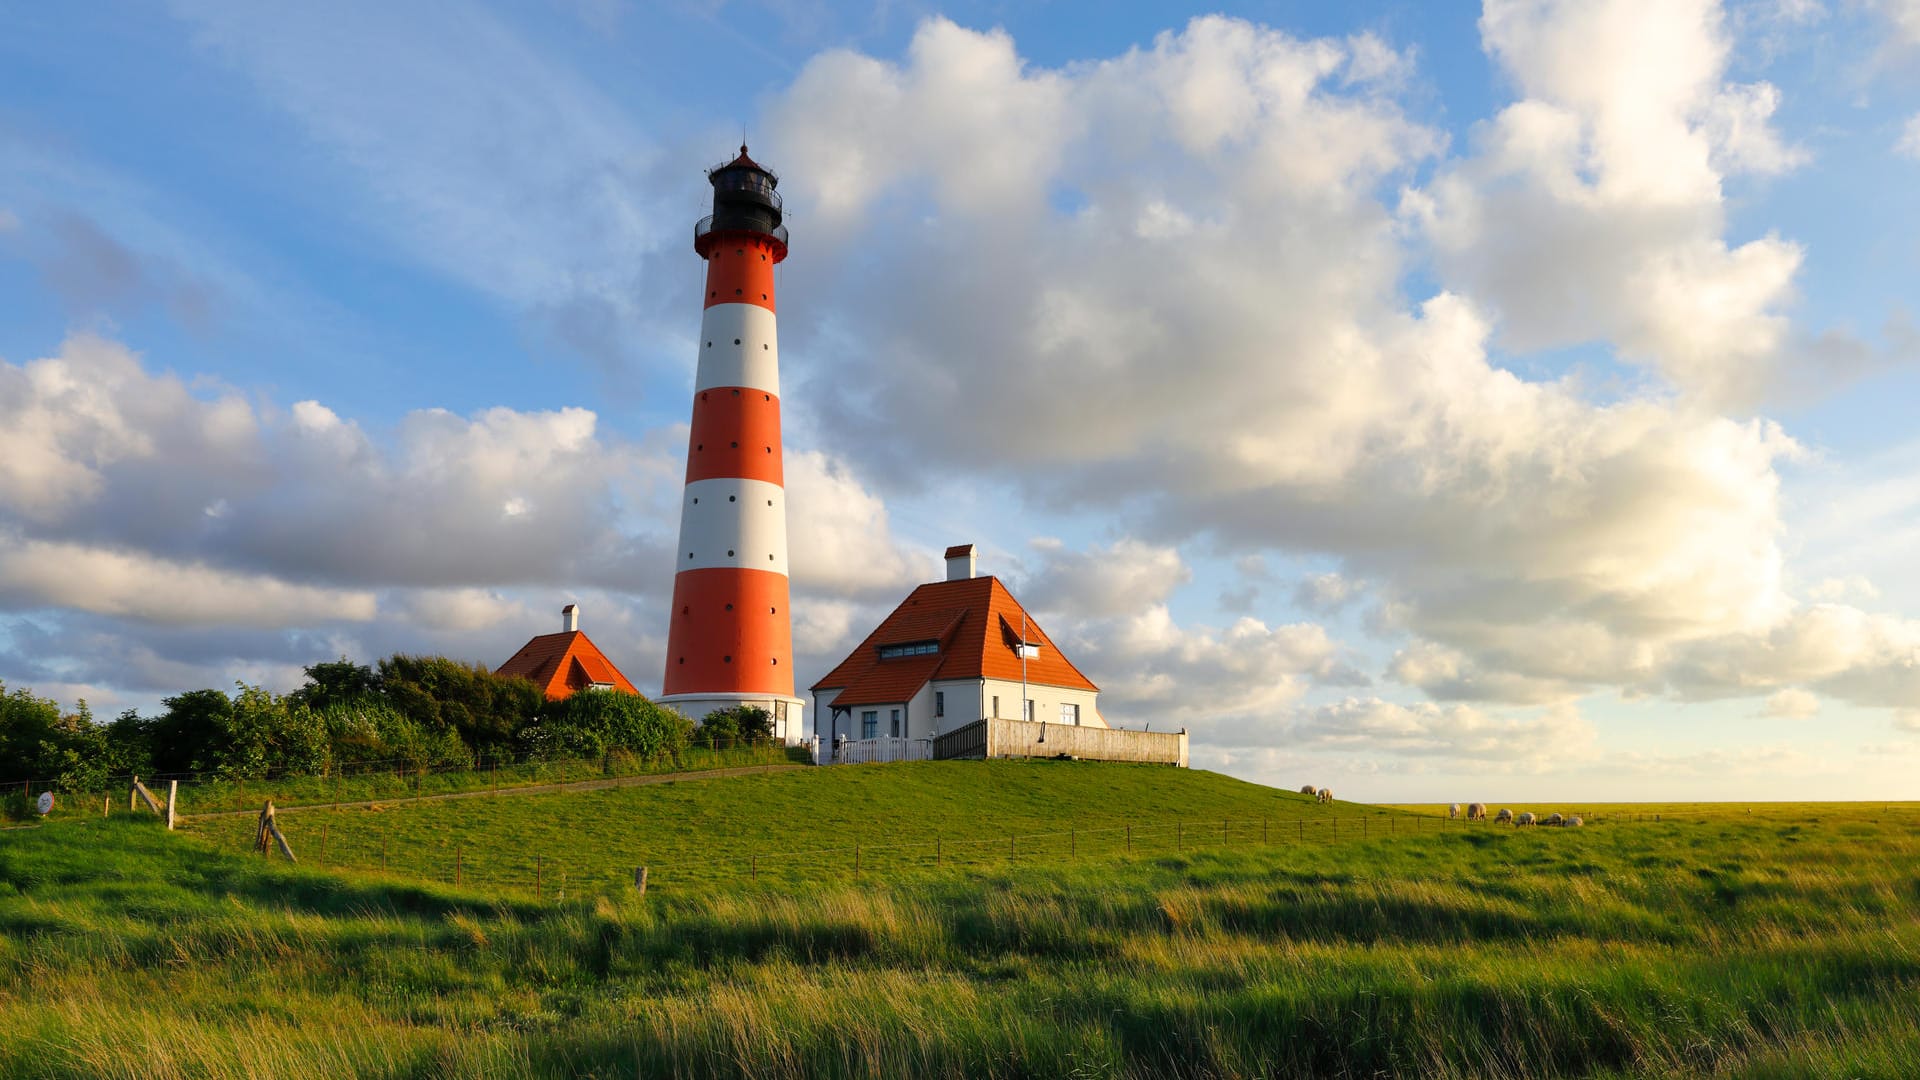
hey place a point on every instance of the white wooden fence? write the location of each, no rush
(873, 751)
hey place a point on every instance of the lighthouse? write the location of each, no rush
(730, 636)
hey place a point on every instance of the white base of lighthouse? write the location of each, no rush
(788, 725)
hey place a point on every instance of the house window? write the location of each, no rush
(870, 724)
(1029, 716)
(996, 706)
(896, 723)
(912, 648)
(1069, 714)
(939, 703)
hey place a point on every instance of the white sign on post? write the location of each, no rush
(45, 803)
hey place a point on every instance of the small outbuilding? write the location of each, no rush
(563, 663)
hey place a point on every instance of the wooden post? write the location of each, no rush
(133, 796)
(140, 792)
(1129, 836)
(456, 864)
(268, 827)
(640, 879)
(1073, 843)
(173, 793)
(1010, 852)
(856, 860)
(753, 867)
(1263, 831)
(106, 804)
(323, 844)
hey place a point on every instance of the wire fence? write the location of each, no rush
(395, 851)
(377, 781)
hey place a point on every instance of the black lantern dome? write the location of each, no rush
(746, 199)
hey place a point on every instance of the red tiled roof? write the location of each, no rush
(970, 618)
(561, 663)
(959, 551)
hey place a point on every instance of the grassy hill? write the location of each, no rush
(1727, 948)
(806, 825)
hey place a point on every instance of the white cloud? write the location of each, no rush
(1592, 208)
(1121, 578)
(1556, 737)
(840, 536)
(1793, 703)
(1908, 145)
(139, 586)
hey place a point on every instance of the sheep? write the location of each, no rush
(1324, 795)
(1574, 822)
(1526, 818)
(1504, 817)
(1556, 819)
(1453, 812)
(1476, 811)
(1309, 789)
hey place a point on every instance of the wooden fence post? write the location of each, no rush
(1263, 831)
(753, 867)
(640, 879)
(1073, 843)
(456, 864)
(322, 860)
(1129, 836)
(856, 860)
(173, 793)
(106, 804)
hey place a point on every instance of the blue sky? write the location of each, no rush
(1425, 401)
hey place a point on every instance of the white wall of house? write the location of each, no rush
(1046, 702)
(966, 700)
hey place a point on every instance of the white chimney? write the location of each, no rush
(960, 562)
(570, 617)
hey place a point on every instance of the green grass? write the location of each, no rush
(208, 796)
(1718, 947)
(806, 825)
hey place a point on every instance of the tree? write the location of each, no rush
(487, 710)
(38, 742)
(337, 682)
(262, 735)
(184, 737)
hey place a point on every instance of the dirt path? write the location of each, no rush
(525, 789)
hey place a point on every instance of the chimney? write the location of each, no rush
(570, 617)
(960, 562)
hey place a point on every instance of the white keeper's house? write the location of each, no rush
(953, 652)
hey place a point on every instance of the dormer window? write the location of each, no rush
(912, 648)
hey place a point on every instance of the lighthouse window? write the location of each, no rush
(736, 341)
(764, 348)
(709, 344)
(726, 659)
(776, 661)
(729, 552)
(736, 446)
(729, 607)
(696, 500)
(730, 498)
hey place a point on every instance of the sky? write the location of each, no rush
(1425, 402)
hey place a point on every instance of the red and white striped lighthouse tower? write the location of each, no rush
(730, 640)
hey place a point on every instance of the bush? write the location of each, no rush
(592, 723)
(487, 710)
(369, 731)
(38, 743)
(742, 723)
(262, 735)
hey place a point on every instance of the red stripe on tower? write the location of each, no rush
(730, 637)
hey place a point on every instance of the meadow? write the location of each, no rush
(1713, 945)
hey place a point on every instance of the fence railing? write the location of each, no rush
(332, 841)
(881, 749)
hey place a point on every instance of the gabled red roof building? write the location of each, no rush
(953, 652)
(560, 664)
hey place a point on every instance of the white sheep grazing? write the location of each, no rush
(1575, 822)
(1476, 811)
(1324, 795)
(1453, 812)
(1556, 819)
(1504, 817)
(1526, 818)
(1309, 789)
